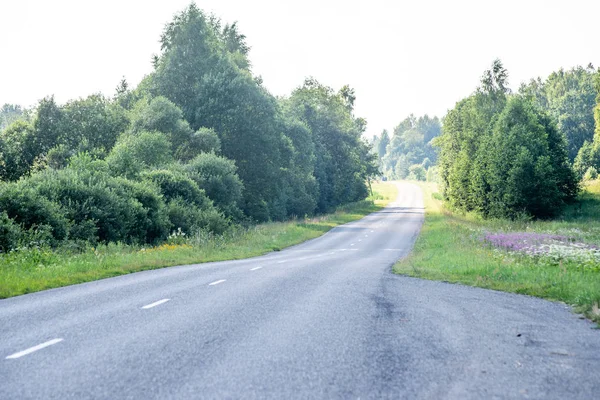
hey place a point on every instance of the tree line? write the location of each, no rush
(409, 153)
(508, 155)
(199, 144)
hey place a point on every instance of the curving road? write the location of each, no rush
(325, 319)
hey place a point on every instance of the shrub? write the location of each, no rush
(174, 184)
(192, 219)
(10, 233)
(205, 140)
(58, 157)
(133, 153)
(102, 208)
(162, 115)
(527, 165)
(27, 208)
(218, 177)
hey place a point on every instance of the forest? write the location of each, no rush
(199, 145)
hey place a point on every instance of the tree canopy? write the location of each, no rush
(503, 156)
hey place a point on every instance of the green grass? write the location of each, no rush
(450, 249)
(36, 269)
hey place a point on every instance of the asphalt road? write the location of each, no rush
(325, 319)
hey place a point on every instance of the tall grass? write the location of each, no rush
(450, 248)
(34, 269)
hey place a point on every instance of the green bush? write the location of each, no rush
(134, 153)
(432, 174)
(527, 165)
(174, 184)
(101, 208)
(10, 233)
(29, 209)
(218, 177)
(204, 140)
(162, 115)
(192, 219)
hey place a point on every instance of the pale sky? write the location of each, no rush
(401, 57)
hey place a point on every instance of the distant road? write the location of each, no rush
(325, 319)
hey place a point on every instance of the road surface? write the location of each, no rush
(325, 319)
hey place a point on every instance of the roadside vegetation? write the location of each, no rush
(40, 267)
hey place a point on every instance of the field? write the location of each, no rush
(36, 269)
(556, 259)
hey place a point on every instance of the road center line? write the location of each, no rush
(217, 282)
(255, 268)
(156, 303)
(34, 348)
(280, 262)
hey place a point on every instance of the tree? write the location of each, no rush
(410, 144)
(343, 160)
(501, 156)
(417, 172)
(17, 150)
(134, 153)
(197, 72)
(10, 113)
(91, 124)
(569, 98)
(384, 141)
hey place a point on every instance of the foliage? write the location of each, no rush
(569, 98)
(135, 152)
(32, 211)
(204, 140)
(17, 152)
(10, 113)
(217, 176)
(591, 174)
(411, 144)
(343, 161)
(417, 172)
(503, 157)
(202, 68)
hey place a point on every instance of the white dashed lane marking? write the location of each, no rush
(217, 282)
(156, 303)
(34, 348)
(255, 268)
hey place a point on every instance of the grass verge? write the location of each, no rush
(35, 269)
(450, 248)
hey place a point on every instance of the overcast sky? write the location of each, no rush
(401, 57)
